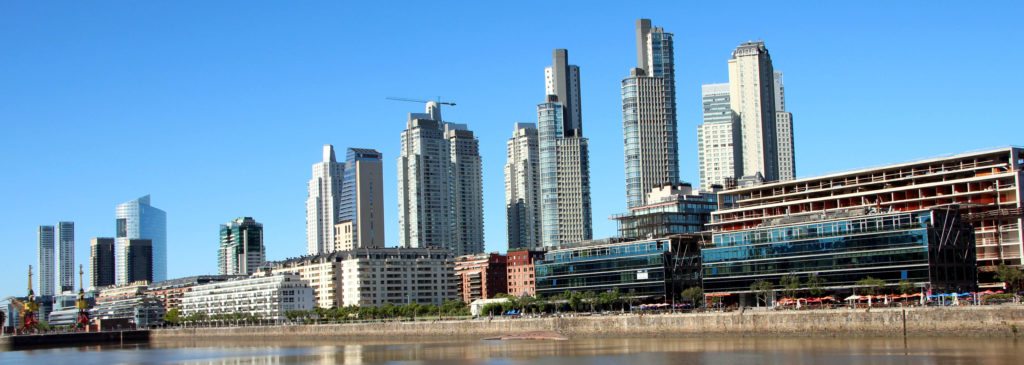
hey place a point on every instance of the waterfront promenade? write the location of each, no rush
(986, 321)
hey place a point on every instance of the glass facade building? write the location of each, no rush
(671, 209)
(647, 269)
(137, 219)
(929, 248)
(241, 249)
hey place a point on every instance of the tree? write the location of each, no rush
(694, 294)
(173, 317)
(906, 287)
(762, 289)
(790, 285)
(575, 301)
(815, 285)
(870, 285)
(1011, 276)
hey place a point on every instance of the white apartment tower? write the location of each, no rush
(784, 131)
(718, 139)
(649, 115)
(522, 188)
(563, 156)
(752, 94)
(46, 260)
(65, 254)
(323, 202)
(440, 194)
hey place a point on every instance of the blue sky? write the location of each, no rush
(218, 109)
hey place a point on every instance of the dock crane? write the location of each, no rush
(438, 101)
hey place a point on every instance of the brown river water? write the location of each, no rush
(632, 351)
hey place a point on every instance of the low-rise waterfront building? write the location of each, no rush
(375, 277)
(984, 184)
(932, 249)
(670, 209)
(521, 275)
(655, 270)
(481, 276)
(266, 297)
(127, 306)
(171, 291)
(322, 272)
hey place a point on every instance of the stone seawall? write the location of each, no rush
(998, 321)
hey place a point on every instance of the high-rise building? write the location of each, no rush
(752, 98)
(784, 131)
(322, 203)
(361, 212)
(522, 188)
(467, 193)
(138, 260)
(65, 252)
(563, 156)
(46, 261)
(101, 262)
(440, 192)
(137, 219)
(241, 249)
(718, 139)
(649, 115)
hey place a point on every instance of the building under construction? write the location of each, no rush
(985, 186)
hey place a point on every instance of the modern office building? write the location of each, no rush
(46, 260)
(784, 131)
(521, 274)
(440, 194)
(752, 97)
(267, 297)
(481, 276)
(522, 188)
(653, 270)
(138, 260)
(375, 277)
(127, 307)
(170, 292)
(65, 256)
(241, 250)
(671, 209)
(361, 213)
(137, 219)
(933, 249)
(101, 262)
(719, 139)
(322, 202)
(649, 115)
(563, 155)
(984, 184)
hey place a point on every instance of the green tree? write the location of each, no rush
(1011, 276)
(815, 285)
(575, 301)
(693, 294)
(870, 285)
(173, 317)
(762, 289)
(790, 285)
(906, 287)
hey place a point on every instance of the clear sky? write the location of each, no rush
(218, 109)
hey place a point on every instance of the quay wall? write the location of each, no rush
(990, 321)
(73, 339)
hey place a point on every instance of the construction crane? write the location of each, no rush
(421, 101)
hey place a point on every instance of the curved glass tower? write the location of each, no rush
(136, 219)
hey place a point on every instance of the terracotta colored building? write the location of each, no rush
(521, 278)
(481, 276)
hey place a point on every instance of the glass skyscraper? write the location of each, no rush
(65, 254)
(649, 116)
(241, 247)
(137, 219)
(46, 260)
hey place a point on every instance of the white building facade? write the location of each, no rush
(322, 202)
(522, 188)
(752, 98)
(375, 277)
(784, 131)
(266, 297)
(718, 139)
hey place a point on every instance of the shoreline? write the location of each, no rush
(988, 321)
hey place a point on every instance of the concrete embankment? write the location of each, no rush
(997, 321)
(73, 339)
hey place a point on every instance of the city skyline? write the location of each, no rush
(187, 184)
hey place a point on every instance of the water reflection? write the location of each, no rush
(635, 351)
